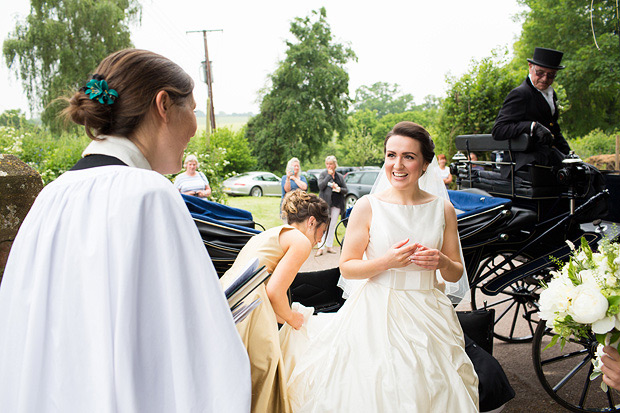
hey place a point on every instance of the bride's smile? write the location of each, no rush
(404, 163)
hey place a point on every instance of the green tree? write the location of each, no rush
(384, 98)
(358, 145)
(238, 154)
(308, 100)
(15, 118)
(363, 142)
(474, 99)
(61, 42)
(591, 56)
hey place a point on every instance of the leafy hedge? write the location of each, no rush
(224, 154)
(596, 142)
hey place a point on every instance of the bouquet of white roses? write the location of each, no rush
(584, 296)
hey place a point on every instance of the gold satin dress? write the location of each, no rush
(259, 331)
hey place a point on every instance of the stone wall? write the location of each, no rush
(19, 186)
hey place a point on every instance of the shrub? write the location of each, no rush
(596, 142)
(50, 156)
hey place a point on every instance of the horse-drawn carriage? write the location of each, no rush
(514, 254)
(513, 227)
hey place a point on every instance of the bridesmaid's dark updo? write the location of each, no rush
(137, 76)
(299, 205)
(414, 131)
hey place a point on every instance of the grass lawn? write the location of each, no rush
(266, 211)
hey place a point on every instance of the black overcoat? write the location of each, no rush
(524, 105)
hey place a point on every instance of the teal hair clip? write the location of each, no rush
(97, 88)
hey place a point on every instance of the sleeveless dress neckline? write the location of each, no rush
(373, 196)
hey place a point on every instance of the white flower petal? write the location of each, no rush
(604, 325)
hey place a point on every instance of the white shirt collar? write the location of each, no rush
(120, 148)
(547, 94)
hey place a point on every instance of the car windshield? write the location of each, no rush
(369, 178)
(352, 178)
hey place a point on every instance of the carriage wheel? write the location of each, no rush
(565, 374)
(516, 306)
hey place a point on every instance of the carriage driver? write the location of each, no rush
(532, 108)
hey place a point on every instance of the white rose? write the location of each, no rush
(599, 260)
(587, 277)
(588, 304)
(554, 300)
(604, 325)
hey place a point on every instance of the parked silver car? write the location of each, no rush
(359, 183)
(253, 184)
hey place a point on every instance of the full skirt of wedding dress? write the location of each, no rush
(386, 350)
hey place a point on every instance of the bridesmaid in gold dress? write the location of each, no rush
(282, 250)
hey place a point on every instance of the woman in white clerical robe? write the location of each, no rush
(109, 300)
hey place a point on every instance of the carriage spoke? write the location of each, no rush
(563, 357)
(529, 324)
(610, 398)
(586, 387)
(505, 311)
(498, 302)
(514, 320)
(570, 374)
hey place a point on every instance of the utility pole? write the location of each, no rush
(208, 81)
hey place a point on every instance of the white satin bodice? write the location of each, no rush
(392, 223)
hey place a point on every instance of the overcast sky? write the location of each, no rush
(412, 43)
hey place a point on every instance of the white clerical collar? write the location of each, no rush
(120, 148)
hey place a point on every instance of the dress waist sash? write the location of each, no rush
(406, 280)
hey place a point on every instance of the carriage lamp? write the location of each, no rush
(457, 159)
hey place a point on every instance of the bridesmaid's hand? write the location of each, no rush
(296, 321)
(431, 259)
(399, 254)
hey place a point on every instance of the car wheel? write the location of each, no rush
(350, 200)
(256, 191)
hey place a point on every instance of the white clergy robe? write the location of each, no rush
(110, 303)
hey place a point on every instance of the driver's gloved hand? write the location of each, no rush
(542, 134)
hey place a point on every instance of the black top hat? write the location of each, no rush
(548, 58)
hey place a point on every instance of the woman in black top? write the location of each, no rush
(332, 189)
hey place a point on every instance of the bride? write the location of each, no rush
(396, 345)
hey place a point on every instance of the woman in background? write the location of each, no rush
(444, 171)
(332, 189)
(293, 178)
(282, 250)
(192, 182)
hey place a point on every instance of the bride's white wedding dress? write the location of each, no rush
(396, 345)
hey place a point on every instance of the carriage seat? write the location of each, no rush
(536, 181)
(485, 142)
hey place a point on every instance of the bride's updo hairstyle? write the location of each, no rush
(299, 205)
(414, 131)
(137, 76)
